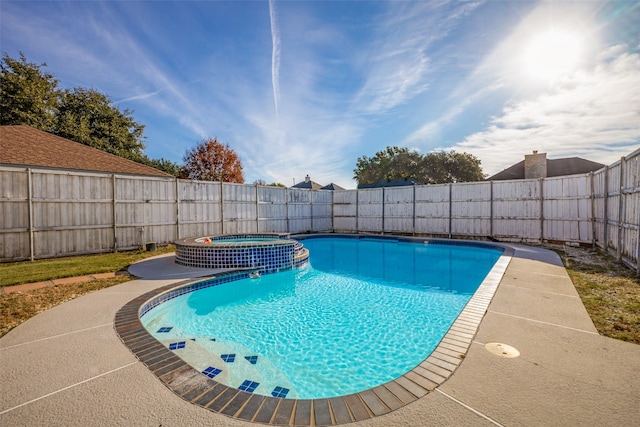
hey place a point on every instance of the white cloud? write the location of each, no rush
(275, 54)
(397, 63)
(594, 114)
(430, 132)
(591, 110)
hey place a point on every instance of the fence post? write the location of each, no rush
(257, 211)
(605, 244)
(221, 208)
(491, 209)
(621, 210)
(115, 213)
(177, 209)
(30, 207)
(286, 204)
(333, 201)
(357, 209)
(638, 253)
(541, 209)
(450, 210)
(382, 210)
(413, 225)
(593, 210)
(311, 207)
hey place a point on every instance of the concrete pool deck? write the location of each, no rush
(67, 366)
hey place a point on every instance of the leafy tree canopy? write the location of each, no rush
(263, 183)
(28, 96)
(164, 165)
(211, 160)
(89, 117)
(432, 168)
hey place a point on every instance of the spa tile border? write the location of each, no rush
(194, 387)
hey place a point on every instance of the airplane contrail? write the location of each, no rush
(275, 54)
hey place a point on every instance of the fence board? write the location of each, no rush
(73, 212)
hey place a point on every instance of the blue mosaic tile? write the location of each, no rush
(164, 329)
(249, 386)
(252, 359)
(177, 345)
(280, 392)
(229, 358)
(211, 371)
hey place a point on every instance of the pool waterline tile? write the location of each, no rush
(400, 392)
(284, 412)
(340, 411)
(388, 398)
(235, 404)
(192, 384)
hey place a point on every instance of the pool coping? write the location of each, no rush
(194, 387)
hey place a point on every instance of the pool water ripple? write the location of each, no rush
(349, 321)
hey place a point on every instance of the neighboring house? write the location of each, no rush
(398, 182)
(537, 165)
(29, 147)
(312, 185)
(332, 187)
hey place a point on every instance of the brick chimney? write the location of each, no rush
(535, 165)
(307, 178)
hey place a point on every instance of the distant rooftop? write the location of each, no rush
(312, 185)
(397, 182)
(29, 147)
(552, 167)
(332, 187)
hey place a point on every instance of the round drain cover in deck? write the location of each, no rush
(502, 350)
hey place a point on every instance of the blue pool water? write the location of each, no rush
(362, 313)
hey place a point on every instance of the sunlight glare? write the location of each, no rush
(552, 54)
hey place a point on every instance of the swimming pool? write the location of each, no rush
(364, 312)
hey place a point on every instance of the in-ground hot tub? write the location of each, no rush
(266, 252)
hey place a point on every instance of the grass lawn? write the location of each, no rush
(609, 291)
(16, 273)
(17, 307)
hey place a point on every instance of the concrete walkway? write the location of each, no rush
(67, 366)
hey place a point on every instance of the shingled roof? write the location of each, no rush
(308, 184)
(332, 186)
(396, 182)
(26, 146)
(555, 167)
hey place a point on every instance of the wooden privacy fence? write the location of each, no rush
(46, 213)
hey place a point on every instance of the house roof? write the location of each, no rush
(332, 186)
(397, 182)
(555, 167)
(311, 185)
(26, 146)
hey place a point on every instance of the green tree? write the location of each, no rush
(211, 160)
(28, 96)
(432, 168)
(263, 183)
(456, 167)
(89, 117)
(164, 165)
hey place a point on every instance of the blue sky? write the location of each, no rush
(304, 87)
